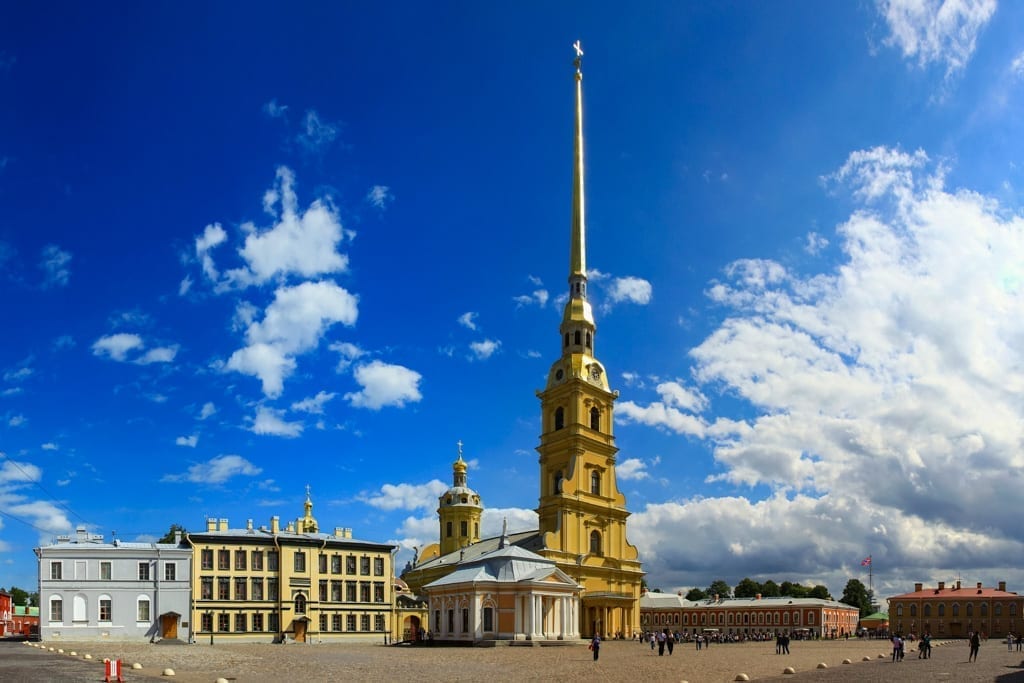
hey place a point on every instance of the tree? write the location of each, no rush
(770, 589)
(696, 594)
(720, 588)
(856, 595)
(747, 588)
(820, 592)
(793, 590)
(169, 536)
(21, 597)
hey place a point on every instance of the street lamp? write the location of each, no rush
(209, 614)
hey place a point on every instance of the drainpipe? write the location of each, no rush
(280, 588)
(191, 597)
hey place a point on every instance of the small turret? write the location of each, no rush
(459, 510)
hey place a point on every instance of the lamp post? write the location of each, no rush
(209, 613)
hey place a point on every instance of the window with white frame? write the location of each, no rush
(143, 571)
(143, 610)
(56, 609)
(105, 571)
(56, 571)
(170, 571)
(106, 608)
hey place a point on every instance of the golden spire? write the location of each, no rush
(577, 249)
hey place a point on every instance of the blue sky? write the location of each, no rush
(243, 252)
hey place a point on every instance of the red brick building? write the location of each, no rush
(956, 611)
(6, 614)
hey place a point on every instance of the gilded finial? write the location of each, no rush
(307, 491)
(459, 444)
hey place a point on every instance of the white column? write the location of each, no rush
(528, 608)
(476, 617)
(518, 628)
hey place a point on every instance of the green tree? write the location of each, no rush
(720, 588)
(21, 597)
(696, 594)
(820, 592)
(747, 588)
(169, 536)
(793, 590)
(770, 589)
(856, 595)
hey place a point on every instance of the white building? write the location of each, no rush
(93, 590)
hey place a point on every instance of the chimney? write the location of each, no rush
(716, 597)
(918, 587)
(81, 535)
(1002, 586)
(979, 584)
(942, 585)
(248, 525)
(958, 584)
(275, 525)
(211, 524)
(177, 537)
(223, 524)
(757, 597)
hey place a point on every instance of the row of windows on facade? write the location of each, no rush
(926, 611)
(253, 559)
(252, 589)
(106, 571)
(730, 618)
(487, 614)
(939, 627)
(595, 482)
(463, 529)
(595, 418)
(254, 623)
(104, 609)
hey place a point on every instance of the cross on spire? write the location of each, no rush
(459, 444)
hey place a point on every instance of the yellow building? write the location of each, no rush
(268, 584)
(955, 611)
(581, 512)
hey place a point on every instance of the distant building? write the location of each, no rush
(90, 589)
(748, 616)
(6, 614)
(264, 584)
(956, 611)
(26, 621)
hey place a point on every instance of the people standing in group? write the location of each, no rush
(653, 638)
(925, 648)
(595, 645)
(975, 643)
(897, 648)
(1009, 642)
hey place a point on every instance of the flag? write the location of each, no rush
(866, 562)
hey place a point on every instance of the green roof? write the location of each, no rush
(877, 616)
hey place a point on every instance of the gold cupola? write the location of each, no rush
(459, 510)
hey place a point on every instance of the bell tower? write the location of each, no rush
(459, 511)
(582, 514)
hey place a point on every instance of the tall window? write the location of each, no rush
(595, 542)
(272, 589)
(240, 622)
(240, 560)
(206, 623)
(323, 564)
(105, 571)
(378, 566)
(451, 621)
(942, 610)
(464, 528)
(56, 609)
(143, 610)
(559, 417)
(488, 619)
(350, 622)
(272, 560)
(257, 589)
(56, 572)
(206, 559)
(576, 338)
(143, 571)
(913, 610)
(350, 562)
(206, 588)
(274, 622)
(257, 622)
(364, 566)
(323, 590)
(335, 622)
(595, 483)
(335, 591)
(300, 561)
(300, 604)
(170, 571)
(105, 608)
(224, 622)
(364, 622)
(335, 565)
(588, 340)
(240, 586)
(448, 529)
(378, 622)
(223, 559)
(378, 591)
(970, 610)
(350, 591)
(595, 419)
(364, 591)
(256, 558)
(223, 588)
(927, 610)
(465, 620)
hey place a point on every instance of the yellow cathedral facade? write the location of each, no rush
(581, 512)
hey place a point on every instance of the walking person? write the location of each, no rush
(975, 643)
(1009, 642)
(595, 645)
(670, 641)
(661, 643)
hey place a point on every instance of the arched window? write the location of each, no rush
(796, 618)
(776, 618)
(810, 619)
(566, 338)
(899, 611)
(927, 610)
(558, 481)
(595, 419)
(998, 609)
(56, 609)
(746, 618)
(476, 529)
(559, 417)
(1013, 609)
(984, 609)
(595, 543)
(956, 610)
(731, 619)
(142, 610)
(970, 610)
(942, 610)
(300, 604)
(448, 529)
(588, 340)
(913, 610)
(576, 338)
(785, 618)
(79, 608)
(595, 483)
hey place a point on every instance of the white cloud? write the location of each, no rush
(188, 441)
(906, 359)
(216, 471)
(538, 297)
(942, 31)
(1017, 66)
(55, 262)
(632, 469)
(275, 110)
(313, 404)
(519, 519)
(207, 410)
(213, 236)
(406, 496)
(18, 375)
(468, 320)
(123, 344)
(385, 385)
(482, 350)
(185, 285)
(380, 196)
(16, 420)
(815, 243)
(49, 446)
(317, 134)
(292, 324)
(629, 289)
(271, 422)
(348, 353)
